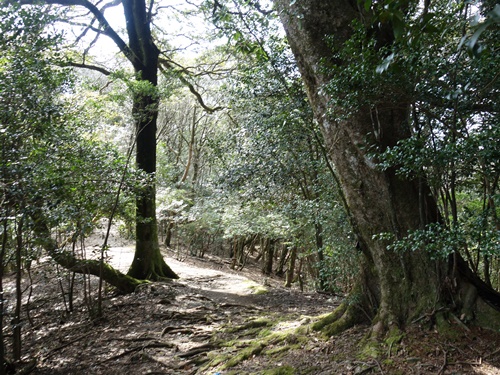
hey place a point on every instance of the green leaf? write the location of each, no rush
(398, 25)
(385, 64)
(368, 5)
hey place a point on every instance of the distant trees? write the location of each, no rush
(385, 168)
(269, 187)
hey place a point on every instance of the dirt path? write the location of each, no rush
(163, 328)
(218, 321)
(205, 274)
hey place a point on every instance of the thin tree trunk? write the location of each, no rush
(3, 365)
(190, 148)
(148, 261)
(268, 252)
(16, 321)
(291, 267)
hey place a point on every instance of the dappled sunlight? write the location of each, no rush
(487, 369)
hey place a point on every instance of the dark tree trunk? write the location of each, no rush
(283, 257)
(268, 254)
(396, 287)
(291, 267)
(148, 261)
(67, 259)
(3, 250)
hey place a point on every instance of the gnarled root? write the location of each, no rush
(342, 318)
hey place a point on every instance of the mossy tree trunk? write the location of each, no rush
(68, 260)
(394, 288)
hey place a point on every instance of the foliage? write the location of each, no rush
(49, 161)
(451, 84)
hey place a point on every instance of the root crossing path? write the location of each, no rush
(214, 320)
(179, 327)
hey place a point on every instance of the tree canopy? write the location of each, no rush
(348, 147)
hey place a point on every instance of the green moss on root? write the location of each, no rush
(282, 370)
(243, 355)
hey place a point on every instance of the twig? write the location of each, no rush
(379, 367)
(67, 344)
(445, 363)
(492, 353)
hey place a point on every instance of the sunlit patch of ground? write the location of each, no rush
(179, 327)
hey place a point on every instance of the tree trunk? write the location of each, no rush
(148, 261)
(3, 251)
(283, 257)
(268, 254)
(395, 287)
(67, 259)
(318, 231)
(291, 267)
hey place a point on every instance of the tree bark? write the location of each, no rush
(291, 267)
(143, 54)
(148, 261)
(394, 287)
(67, 259)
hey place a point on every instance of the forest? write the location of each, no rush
(249, 187)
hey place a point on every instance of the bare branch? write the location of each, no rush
(87, 66)
(203, 69)
(98, 14)
(111, 4)
(165, 64)
(150, 10)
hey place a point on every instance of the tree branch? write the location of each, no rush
(66, 259)
(98, 14)
(87, 66)
(165, 64)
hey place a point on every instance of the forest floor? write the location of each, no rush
(214, 320)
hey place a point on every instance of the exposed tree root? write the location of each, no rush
(66, 259)
(342, 318)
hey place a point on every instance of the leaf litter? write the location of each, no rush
(197, 324)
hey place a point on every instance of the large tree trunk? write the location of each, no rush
(148, 262)
(396, 287)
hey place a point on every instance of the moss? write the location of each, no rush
(303, 330)
(325, 320)
(282, 370)
(487, 317)
(264, 332)
(243, 355)
(370, 350)
(255, 323)
(216, 360)
(444, 327)
(259, 289)
(393, 337)
(278, 350)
